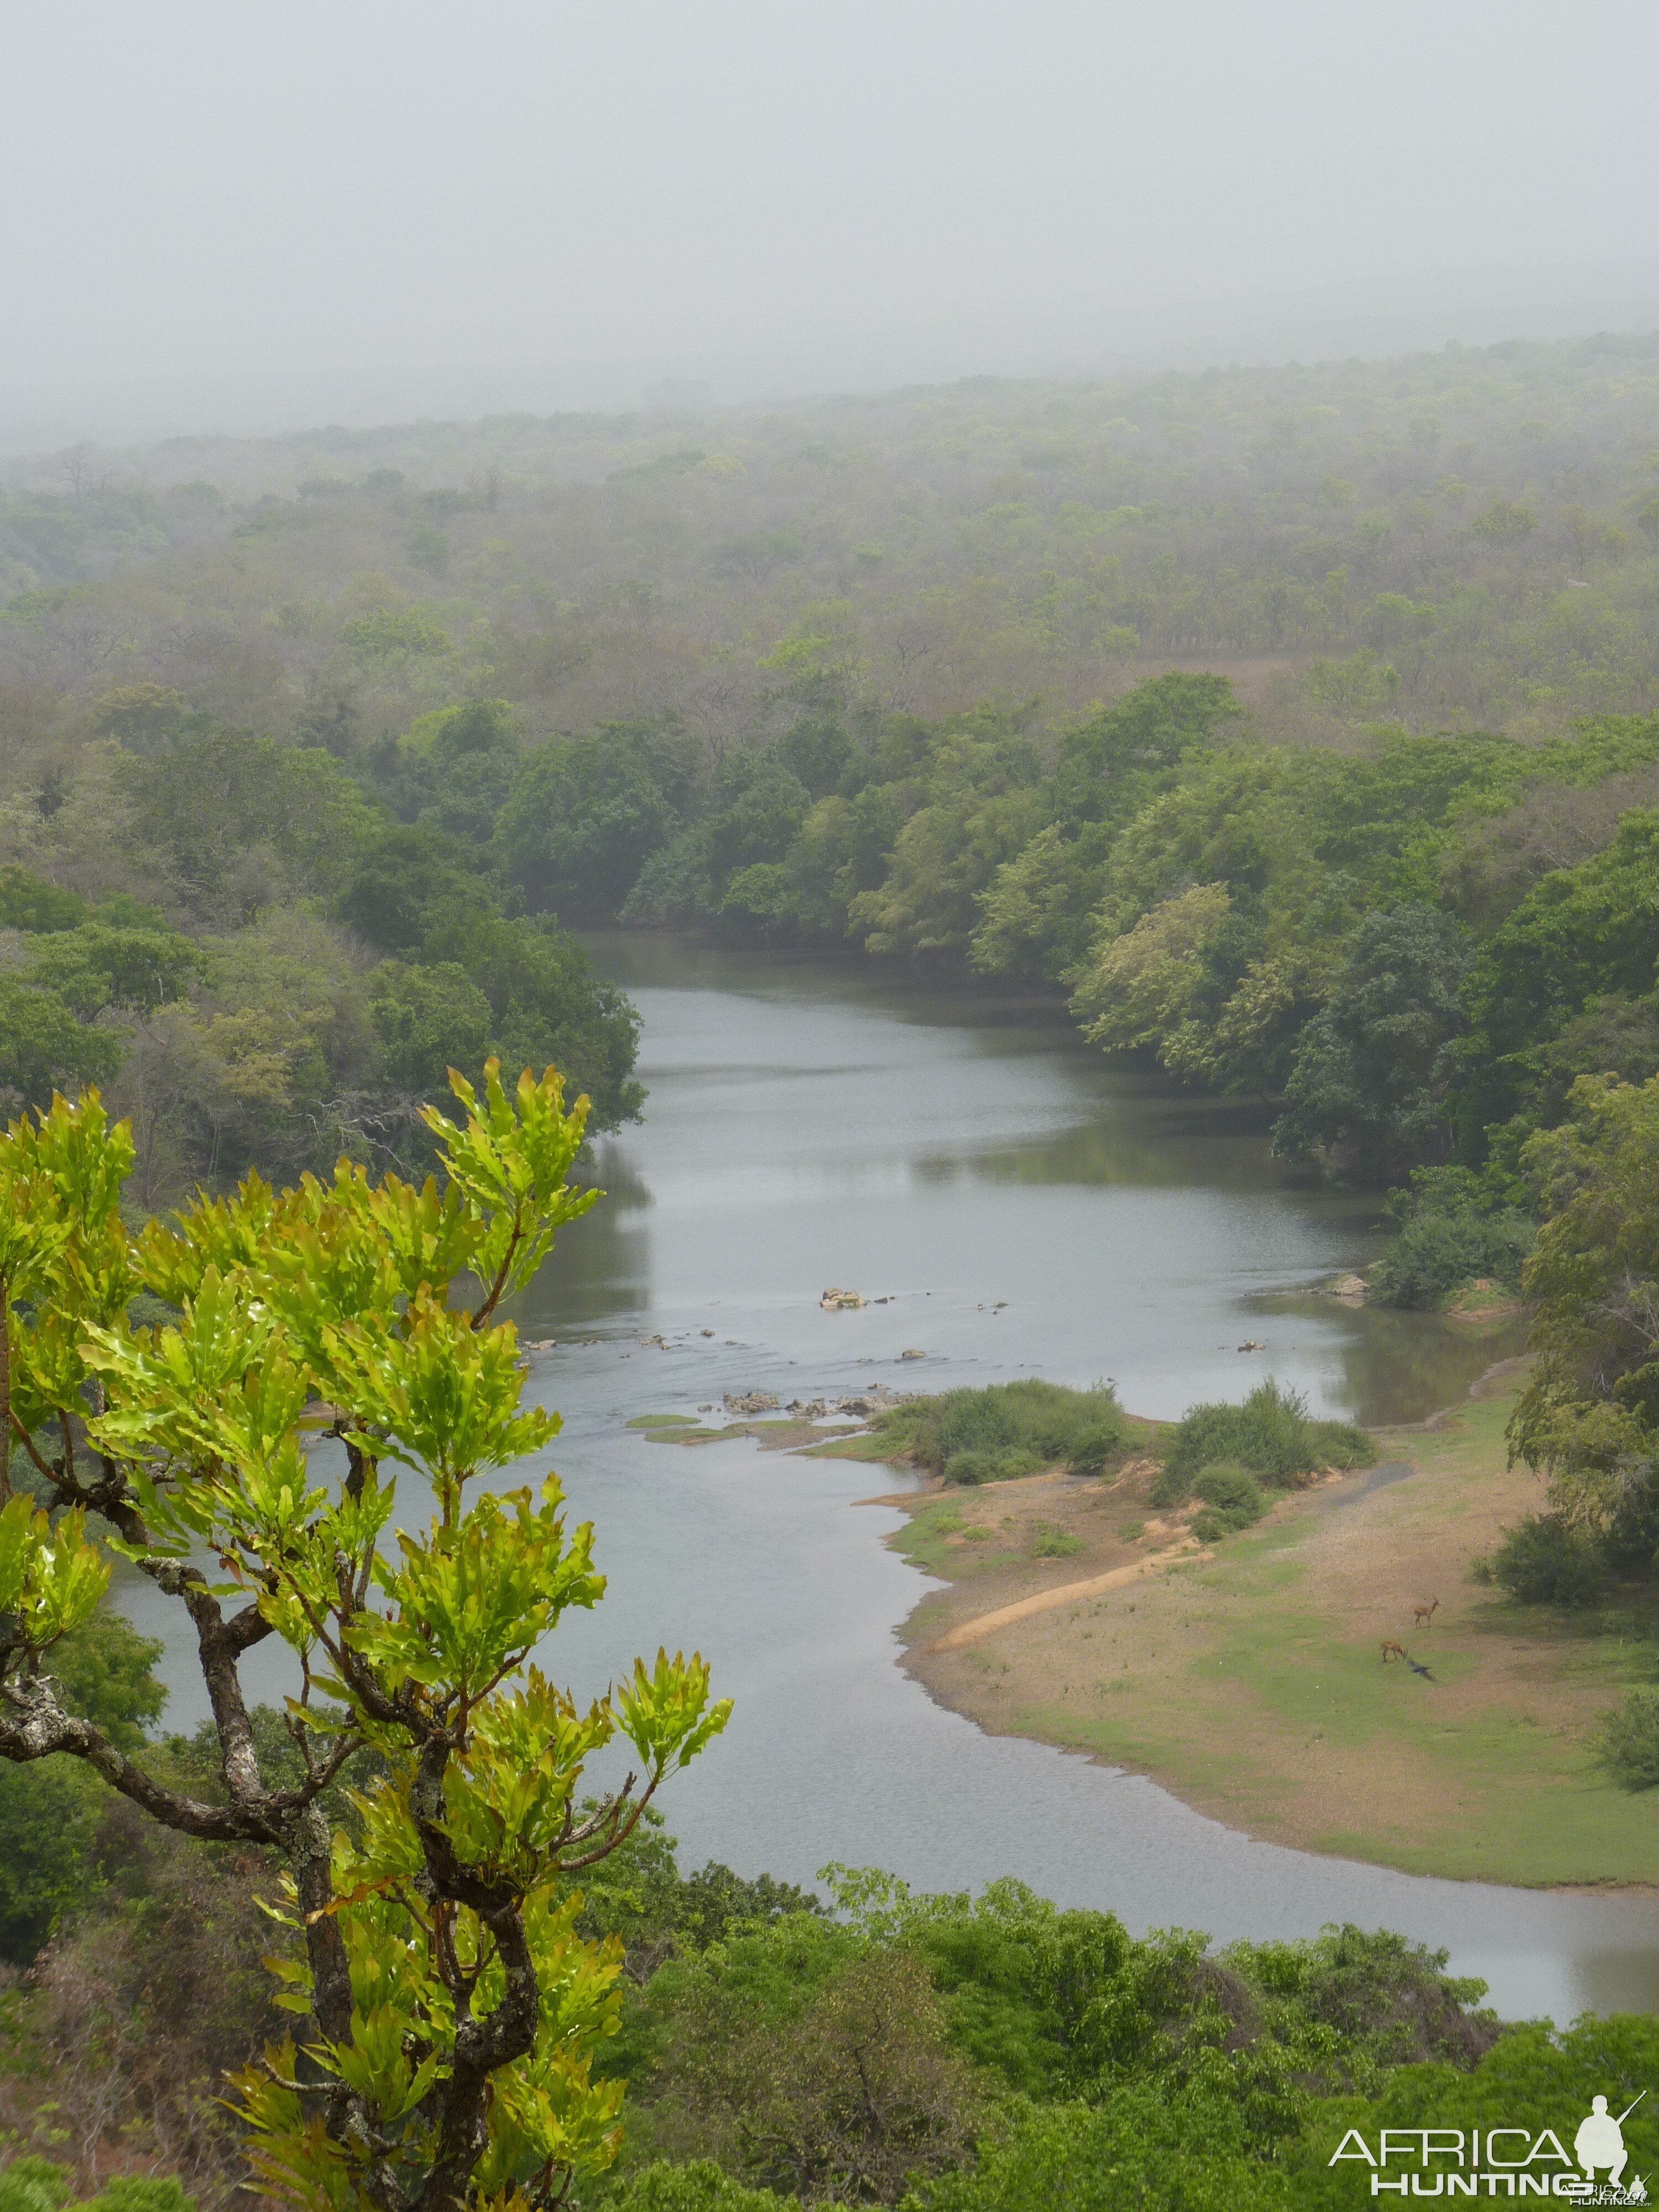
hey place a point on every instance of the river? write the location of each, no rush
(1024, 1207)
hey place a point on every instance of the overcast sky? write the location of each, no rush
(193, 187)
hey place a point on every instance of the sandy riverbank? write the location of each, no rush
(1248, 1680)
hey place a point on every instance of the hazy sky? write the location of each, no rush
(194, 188)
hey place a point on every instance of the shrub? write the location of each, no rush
(974, 1467)
(1233, 1500)
(138, 2192)
(843, 2091)
(1271, 1436)
(1007, 1430)
(1439, 1249)
(1048, 1543)
(33, 2185)
(1628, 1741)
(1230, 1489)
(701, 2186)
(1543, 1560)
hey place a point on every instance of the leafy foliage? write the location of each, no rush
(454, 2010)
(1056, 2028)
(1587, 1416)
(1453, 1228)
(1232, 1500)
(1370, 1074)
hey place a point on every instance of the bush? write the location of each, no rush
(1629, 1741)
(138, 2192)
(1230, 1489)
(1007, 1430)
(1447, 1237)
(699, 2187)
(34, 2184)
(1543, 1560)
(1233, 1500)
(842, 2092)
(1271, 1436)
(974, 1466)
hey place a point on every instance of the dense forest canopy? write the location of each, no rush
(1460, 539)
(1294, 721)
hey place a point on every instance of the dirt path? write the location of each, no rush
(1003, 1616)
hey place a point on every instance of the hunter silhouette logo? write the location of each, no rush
(1506, 2161)
(1600, 2141)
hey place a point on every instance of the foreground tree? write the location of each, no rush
(454, 2013)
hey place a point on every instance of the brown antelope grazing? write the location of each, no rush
(1392, 1651)
(1424, 1614)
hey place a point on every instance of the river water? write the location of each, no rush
(1025, 1208)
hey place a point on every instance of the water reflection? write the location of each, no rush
(1402, 1366)
(1143, 1140)
(968, 1156)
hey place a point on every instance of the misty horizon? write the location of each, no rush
(262, 221)
(1467, 308)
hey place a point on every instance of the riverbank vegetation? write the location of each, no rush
(1271, 1434)
(1007, 1430)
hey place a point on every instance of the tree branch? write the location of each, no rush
(33, 1725)
(499, 1284)
(482, 2047)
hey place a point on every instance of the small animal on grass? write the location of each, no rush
(1423, 1614)
(1416, 1669)
(1392, 1651)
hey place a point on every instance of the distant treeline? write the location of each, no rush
(1462, 539)
(307, 767)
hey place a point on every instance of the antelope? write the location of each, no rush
(1392, 1651)
(1424, 1614)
